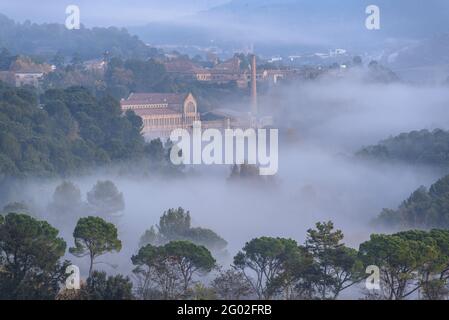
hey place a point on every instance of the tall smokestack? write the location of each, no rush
(253, 86)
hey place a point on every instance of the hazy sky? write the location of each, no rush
(105, 12)
(321, 23)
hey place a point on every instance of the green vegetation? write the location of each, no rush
(31, 38)
(410, 261)
(66, 204)
(169, 269)
(105, 199)
(68, 131)
(30, 258)
(231, 285)
(423, 209)
(268, 258)
(338, 266)
(123, 77)
(175, 224)
(320, 269)
(416, 147)
(31, 265)
(94, 237)
(99, 286)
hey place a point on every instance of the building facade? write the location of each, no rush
(222, 73)
(28, 78)
(161, 113)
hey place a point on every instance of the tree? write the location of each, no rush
(67, 195)
(338, 265)
(434, 273)
(66, 203)
(175, 224)
(17, 207)
(170, 268)
(105, 199)
(58, 59)
(266, 257)
(146, 74)
(298, 279)
(30, 258)
(207, 238)
(152, 279)
(102, 287)
(202, 292)
(421, 147)
(189, 259)
(150, 236)
(66, 130)
(155, 150)
(231, 285)
(99, 286)
(423, 209)
(244, 171)
(399, 259)
(94, 237)
(76, 60)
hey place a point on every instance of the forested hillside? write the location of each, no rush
(423, 209)
(68, 130)
(422, 147)
(48, 39)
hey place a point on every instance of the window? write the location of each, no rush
(190, 108)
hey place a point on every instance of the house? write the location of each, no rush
(31, 78)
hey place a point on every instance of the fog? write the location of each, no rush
(300, 24)
(318, 177)
(105, 13)
(344, 114)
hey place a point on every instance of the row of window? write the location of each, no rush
(145, 106)
(167, 121)
(162, 121)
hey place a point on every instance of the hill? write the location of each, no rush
(46, 40)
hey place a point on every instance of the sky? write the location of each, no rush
(280, 23)
(105, 12)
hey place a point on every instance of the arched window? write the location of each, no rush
(190, 108)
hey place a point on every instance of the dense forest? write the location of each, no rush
(64, 131)
(46, 40)
(422, 147)
(123, 76)
(423, 209)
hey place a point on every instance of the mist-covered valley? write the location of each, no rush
(319, 177)
(336, 185)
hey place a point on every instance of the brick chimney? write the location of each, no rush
(253, 86)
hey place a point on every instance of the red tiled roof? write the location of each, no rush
(154, 98)
(231, 65)
(181, 66)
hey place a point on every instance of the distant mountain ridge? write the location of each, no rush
(305, 23)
